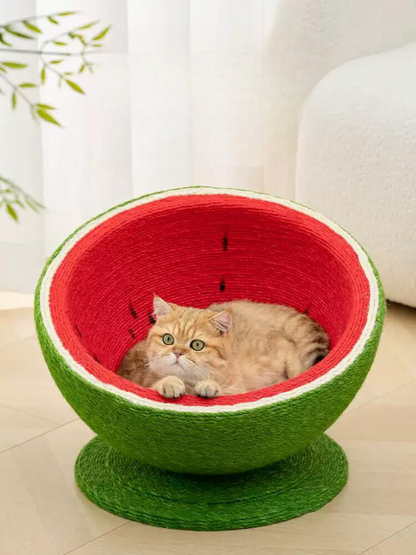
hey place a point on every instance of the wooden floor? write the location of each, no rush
(43, 513)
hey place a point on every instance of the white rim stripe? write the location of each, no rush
(284, 396)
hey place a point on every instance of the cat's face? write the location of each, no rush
(187, 342)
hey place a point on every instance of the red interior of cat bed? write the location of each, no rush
(194, 250)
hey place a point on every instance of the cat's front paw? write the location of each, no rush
(208, 389)
(170, 387)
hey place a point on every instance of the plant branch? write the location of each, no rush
(58, 36)
(12, 196)
(38, 52)
(32, 18)
(82, 53)
(16, 90)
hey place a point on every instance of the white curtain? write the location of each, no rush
(178, 99)
(188, 92)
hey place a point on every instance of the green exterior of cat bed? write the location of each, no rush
(243, 453)
(300, 484)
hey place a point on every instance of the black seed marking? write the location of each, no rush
(132, 311)
(319, 358)
(222, 285)
(225, 243)
(152, 319)
(79, 333)
(307, 311)
(95, 358)
(131, 332)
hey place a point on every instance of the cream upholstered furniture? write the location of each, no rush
(308, 39)
(356, 160)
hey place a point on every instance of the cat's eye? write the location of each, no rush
(168, 339)
(197, 345)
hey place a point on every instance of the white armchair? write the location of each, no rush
(356, 160)
(310, 38)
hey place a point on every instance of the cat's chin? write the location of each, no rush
(174, 369)
(178, 367)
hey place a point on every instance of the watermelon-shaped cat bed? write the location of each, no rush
(230, 462)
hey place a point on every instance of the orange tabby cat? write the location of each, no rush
(228, 348)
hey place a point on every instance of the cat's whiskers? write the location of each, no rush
(191, 371)
(156, 361)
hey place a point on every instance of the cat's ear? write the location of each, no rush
(222, 322)
(160, 307)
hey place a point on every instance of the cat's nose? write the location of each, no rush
(178, 354)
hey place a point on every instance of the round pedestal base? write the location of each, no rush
(300, 484)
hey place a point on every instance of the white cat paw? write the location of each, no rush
(170, 387)
(207, 388)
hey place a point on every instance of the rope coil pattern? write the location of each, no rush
(303, 483)
(278, 278)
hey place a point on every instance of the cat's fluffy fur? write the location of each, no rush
(247, 346)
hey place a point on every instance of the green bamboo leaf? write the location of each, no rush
(53, 20)
(79, 37)
(89, 25)
(56, 62)
(45, 106)
(74, 86)
(18, 33)
(47, 117)
(43, 76)
(97, 45)
(14, 65)
(31, 27)
(27, 85)
(102, 34)
(2, 92)
(68, 73)
(12, 212)
(82, 68)
(4, 41)
(3, 69)
(64, 14)
(17, 201)
(59, 43)
(14, 100)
